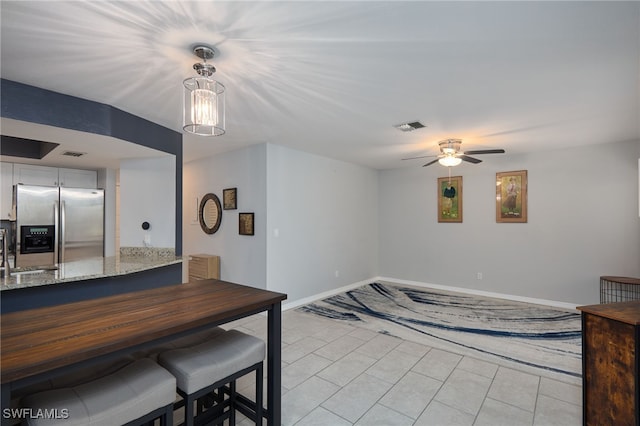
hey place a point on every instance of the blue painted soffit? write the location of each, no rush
(33, 104)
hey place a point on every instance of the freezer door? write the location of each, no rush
(81, 232)
(35, 206)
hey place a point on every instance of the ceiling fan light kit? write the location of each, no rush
(451, 156)
(204, 98)
(450, 161)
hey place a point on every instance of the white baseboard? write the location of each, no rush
(305, 301)
(535, 301)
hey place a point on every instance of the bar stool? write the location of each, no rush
(84, 375)
(71, 379)
(210, 366)
(182, 342)
(134, 395)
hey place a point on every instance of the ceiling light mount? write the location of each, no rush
(450, 146)
(203, 68)
(203, 52)
(204, 98)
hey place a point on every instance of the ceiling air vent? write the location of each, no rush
(408, 127)
(73, 153)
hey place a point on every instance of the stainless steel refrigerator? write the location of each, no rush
(58, 224)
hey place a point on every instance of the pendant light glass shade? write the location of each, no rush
(203, 100)
(450, 161)
(204, 107)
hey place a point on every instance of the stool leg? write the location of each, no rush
(232, 397)
(188, 410)
(259, 377)
(167, 417)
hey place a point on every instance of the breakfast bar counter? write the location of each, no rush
(42, 343)
(86, 269)
(132, 269)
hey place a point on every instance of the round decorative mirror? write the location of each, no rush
(210, 213)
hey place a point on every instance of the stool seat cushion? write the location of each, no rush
(182, 342)
(131, 392)
(202, 365)
(71, 379)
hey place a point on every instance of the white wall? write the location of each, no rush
(583, 223)
(147, 194)
(242, 257)
(322, 218)
(107, 180)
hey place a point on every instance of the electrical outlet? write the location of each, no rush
(479, 275)
(337, 273)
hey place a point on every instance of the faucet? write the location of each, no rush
(5, 269)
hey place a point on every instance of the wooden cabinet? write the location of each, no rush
(30, 174)
(611, 364)
(204, 266)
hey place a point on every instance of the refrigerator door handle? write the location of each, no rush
(56, 232)
(63, 221)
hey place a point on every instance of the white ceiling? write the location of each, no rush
(333, 77)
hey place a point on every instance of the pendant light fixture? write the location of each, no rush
(203, 108)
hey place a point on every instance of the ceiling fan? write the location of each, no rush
(451, 155)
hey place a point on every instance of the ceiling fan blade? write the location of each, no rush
(422, 156)
(469, 159)
(485, 151)
(431, 162)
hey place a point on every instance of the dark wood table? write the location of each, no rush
(43, 343)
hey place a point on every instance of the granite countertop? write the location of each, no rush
(128, 261)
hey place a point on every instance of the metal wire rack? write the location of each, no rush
(619, 289)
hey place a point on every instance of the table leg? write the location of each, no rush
(6, 403)
(274, 365)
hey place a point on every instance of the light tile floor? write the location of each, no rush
(337, 374)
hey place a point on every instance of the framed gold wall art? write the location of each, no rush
(511, 197)
(230, 198)
(450, 199)
(245, 222)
